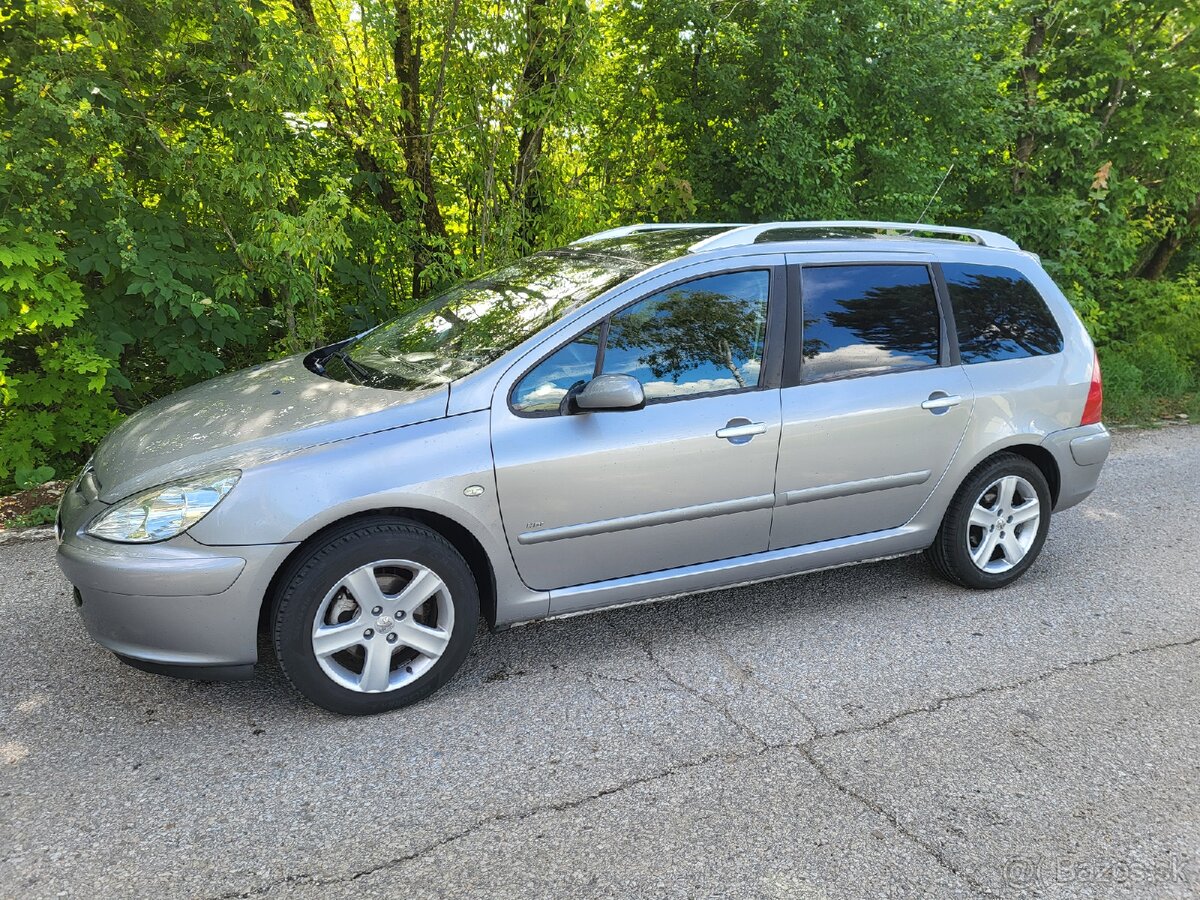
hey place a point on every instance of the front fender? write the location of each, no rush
(428, 466)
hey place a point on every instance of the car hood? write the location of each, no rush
(245, 418)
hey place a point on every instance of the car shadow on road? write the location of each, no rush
(779, 613)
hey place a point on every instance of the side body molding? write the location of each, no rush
(662, 517)
(851, 488)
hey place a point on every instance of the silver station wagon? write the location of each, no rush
(651, 411)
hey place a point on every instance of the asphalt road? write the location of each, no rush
(866, 732)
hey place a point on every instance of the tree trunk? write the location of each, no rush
(547, 40)
(727, 358)
(1115, 96)
(1029, 74)
(304, 12)
(418, 148)
(531, 195)
(344, 110)
(535, 77)
(342, 113)
(1156, 264)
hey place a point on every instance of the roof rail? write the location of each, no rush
(625, 230)
(741, 235)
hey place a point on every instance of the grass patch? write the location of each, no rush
(33, 507)
(1147, 383)
(39, 515)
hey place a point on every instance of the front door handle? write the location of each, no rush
(940, 401)
(739, 431)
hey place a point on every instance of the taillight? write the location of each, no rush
(1095, 399)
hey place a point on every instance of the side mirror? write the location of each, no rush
(610, 393)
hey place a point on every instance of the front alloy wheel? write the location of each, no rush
(383, 626)
(377, 615)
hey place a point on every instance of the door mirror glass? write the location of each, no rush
(610, 392)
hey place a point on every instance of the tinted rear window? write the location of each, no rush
(999, 314)
(867, 320)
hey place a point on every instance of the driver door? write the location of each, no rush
(687, 479)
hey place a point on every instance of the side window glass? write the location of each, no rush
(999, 314)
(868, 320)
(543, 388)
(700, 337)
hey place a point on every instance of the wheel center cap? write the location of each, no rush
(384, 624)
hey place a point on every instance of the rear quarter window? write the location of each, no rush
(999, 314)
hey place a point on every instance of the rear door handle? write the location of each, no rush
(739, 431)
(940, 401)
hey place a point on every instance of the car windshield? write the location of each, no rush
(476, 322)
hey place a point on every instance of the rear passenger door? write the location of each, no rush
(874, 402)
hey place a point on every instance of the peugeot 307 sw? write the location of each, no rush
(651, 411)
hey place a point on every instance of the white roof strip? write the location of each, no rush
(742, 235)
(626, 230)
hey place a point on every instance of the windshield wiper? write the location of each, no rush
(360, 372)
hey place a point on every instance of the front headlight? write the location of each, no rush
(165, 511)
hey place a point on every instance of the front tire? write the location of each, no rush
(995, 526)
(377, 616)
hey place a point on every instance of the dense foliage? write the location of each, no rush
(188, 187)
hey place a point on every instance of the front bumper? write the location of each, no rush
(1080, 453)
(180, 607)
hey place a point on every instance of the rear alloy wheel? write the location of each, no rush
(376, 618)
(996, 524)
(1003, 524)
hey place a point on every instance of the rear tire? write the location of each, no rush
(995, 526)
(376, 616)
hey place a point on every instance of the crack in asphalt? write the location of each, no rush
(941, 702)
(750, 676)
(804, 748)
(721, 708)
(807, 749)
(760, 748)
(497, 819)
(931, 850)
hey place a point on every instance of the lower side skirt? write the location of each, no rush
(727, 573)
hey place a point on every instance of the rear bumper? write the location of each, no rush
(1080, 454)
(179, 608)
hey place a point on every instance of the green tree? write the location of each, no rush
(187, 189)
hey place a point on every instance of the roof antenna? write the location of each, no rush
(937, 191)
